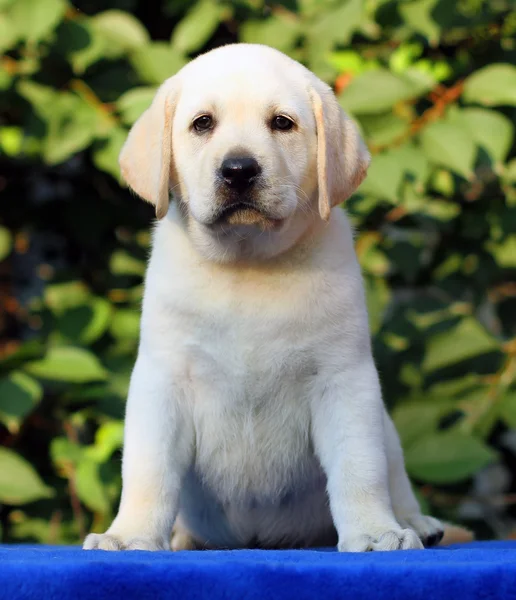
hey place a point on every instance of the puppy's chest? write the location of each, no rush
(245, 354)
(249, 393)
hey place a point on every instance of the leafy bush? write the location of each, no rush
(433, 87)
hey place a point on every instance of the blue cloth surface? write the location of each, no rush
(474, 571)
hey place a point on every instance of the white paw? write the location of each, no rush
(429, 530)
(181, 540)
(401, 539)
(106, 541)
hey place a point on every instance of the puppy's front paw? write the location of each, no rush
(429, 530)
(181, 540)
(106, 541)
(401, 539)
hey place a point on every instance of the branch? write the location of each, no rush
(71, 434)
(441, 97)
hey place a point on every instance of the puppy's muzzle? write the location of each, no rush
(240, 183)
(240, 173)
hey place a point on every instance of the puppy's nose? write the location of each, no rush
(240, 172)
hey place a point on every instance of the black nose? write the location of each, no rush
(240, 172)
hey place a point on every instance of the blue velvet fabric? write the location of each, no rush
(475, 571)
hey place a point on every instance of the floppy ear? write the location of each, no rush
(342, 157)
(146, 157)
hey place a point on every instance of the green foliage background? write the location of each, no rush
(432, 84)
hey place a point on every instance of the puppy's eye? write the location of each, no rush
(282, 123)
(203, 123)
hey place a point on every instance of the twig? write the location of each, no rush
(54, 524)
(89, 96)
(441, 97)
(505, 290)
(71, 434)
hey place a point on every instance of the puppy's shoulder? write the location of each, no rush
(335, 256)
(172, 260)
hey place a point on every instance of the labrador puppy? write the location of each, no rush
(255, 415)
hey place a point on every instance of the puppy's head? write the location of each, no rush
(249, 142)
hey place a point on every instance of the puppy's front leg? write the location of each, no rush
(349, 439)
(157, 450)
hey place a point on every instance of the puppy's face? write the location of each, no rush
(253, 147)
(244, 145)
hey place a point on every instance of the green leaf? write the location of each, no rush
(156, 62)
(404, 56)
(125, 324)
(8, 34)
(6, 242)
(133, 103)
(25, 351)
(481, 412)
(311, 8)
(109, 437)
(19, 394)
(491, 130)
(352, 62)
(371, 256)
(466, 340)
(70, 122)
(89, 486)
(450, 144)
(378, 296)
(440, 209)
(4, 4)
(98, 323)
(197, 27)
(510, 171)
(121, 31)
(415, 163)
(60, 297)
(420, 80)
(414, 420)
(63, 452)
(79, 43)
(85, 324)
(122, 263)
(447, 457)
(416, 203)
(71, 129)
(383, 128)
(492, 86)
(28, 529)
(508, 409)
(504, 252)
(68, 364)
(418, 15)
(456, 387)
(107, 151)
(443, 183)
(33, 20)
(384, 177)
(19, 482)
(406, 250)
(11, 142)
(378, 91)
(108, 35)
(332, 27)
(5, 77)
(337, 25)
(278, 31)
(42, 97)
(450, 265)
(427, 319)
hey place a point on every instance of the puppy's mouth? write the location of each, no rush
(244, 213)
